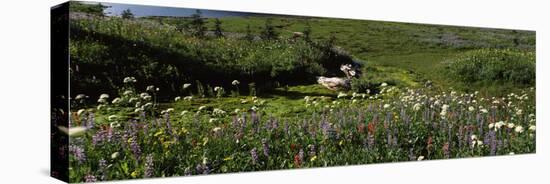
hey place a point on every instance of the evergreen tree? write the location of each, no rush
(198, 24)
(127, 14)
(218, 28)
(269, 32)
(249, 36)
(307, 33)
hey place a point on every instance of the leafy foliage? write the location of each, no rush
(127, 14)
(92, 9)
(158, 54)
(495, 65)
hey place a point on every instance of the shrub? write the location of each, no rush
(107, 49)
(495, 65)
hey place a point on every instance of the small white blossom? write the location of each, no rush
(519, 112)
(150, 88)
(114, 124)
(133, 99)
(484, 111)
(127, 92)
(499, 124)
(112, 117)
(117, 100)
(235, 82)
(519, 129)
(103, 96)
(80, 97)
(254, 108)
(342, 95)
(202, 108)
(80, 112)
(417, 107)
(129, 80)
(217, 111)
(115, 155)
(101, 106)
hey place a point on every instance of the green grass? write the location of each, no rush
(285, 102)
(345, 130)
(416, 52)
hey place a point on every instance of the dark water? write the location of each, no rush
(116, 9)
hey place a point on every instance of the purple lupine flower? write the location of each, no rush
(301, 155)
(187, 171)
(265, 147)
(460, 136)
(235, 122)
(492, 143)
(275, 124)
(287, 128)
(78, 153)
(254, 117)
(481, 122)
(91, 120)
(243, 120)
(305, 126)
(205, 169)
(370, 141)
(136, 150)
(389, 140)
(412, 157)
(254, 155)
(142, 116)
(145, 128)
(500, 144)
(99, 137)
(149, 167)
(168, 124)
(90, 178)
(395, 138)
(102, 167)
(202, 169)
(312, 150)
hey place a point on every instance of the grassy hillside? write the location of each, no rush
(165, 96)
(418, 50)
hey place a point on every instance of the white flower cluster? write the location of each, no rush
(167, 111)
(218, 112)
(130, 80)
(103, 98)
(342, 95)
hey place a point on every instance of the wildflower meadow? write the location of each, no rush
(154, 96)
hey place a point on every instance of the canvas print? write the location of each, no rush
(145, 91)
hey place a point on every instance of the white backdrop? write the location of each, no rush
(24, 91)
